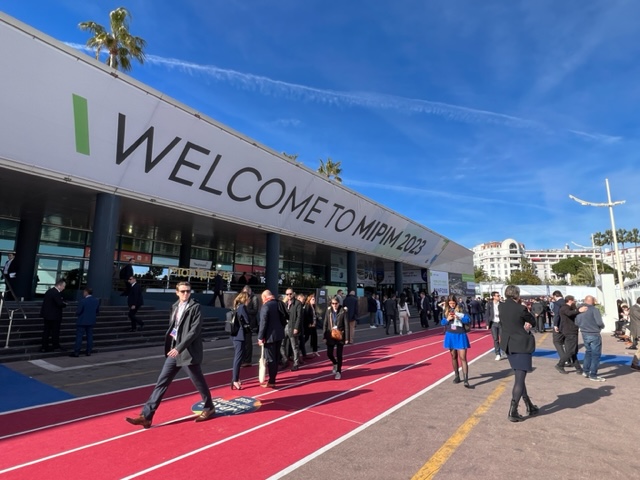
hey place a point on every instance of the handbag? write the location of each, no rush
(335, 333)
(262, 367)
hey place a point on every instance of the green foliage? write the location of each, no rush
(569, 265)
(119, 43)
(480, 275)
(331, 169)
(518, 277)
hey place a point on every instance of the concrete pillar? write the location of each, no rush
(352, 273)
(398, 274)
(103, 243)
(273, 262)
(185, 247)
(27, 244)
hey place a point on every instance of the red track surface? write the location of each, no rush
(88, 437)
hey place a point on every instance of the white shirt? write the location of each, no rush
(182, 306)
(496, 313)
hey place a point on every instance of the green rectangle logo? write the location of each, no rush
(81, 121)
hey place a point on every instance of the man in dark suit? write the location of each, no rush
(126, 273)
(51, 313)
(87, 313)
(292, 331)
(391, 314)
(475, 310)
(492, 319)
(218, 290)
(10, 271)
(134, 300)
(270, 334)
(183, 348)
(351, 304)
(425, 308)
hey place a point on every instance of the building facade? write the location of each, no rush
(500, 259)
(97, 168)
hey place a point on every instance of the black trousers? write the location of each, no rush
(271, 351)
(395, 324)
(132, 317)
(167, 374)
(247, 352)
(423, 319)
(570, 350)
(51, 329)
(219, 295)
(558, 342)
(337, 359)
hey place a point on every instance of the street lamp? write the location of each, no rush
(609, 204)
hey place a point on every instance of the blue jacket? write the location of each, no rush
(87, 311)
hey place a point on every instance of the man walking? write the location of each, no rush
(126, 272)
(558, 336)
(351, 304)
(51, 313)
(391, 314)
(424, 307)
(590, 324)
(270, 335)
(183, 348)
(134, 300)
(492, 319)
(292, 330)
(87, 313)
(568, 313)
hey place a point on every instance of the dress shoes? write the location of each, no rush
(268, 385)
(207, 414)
(139, 420)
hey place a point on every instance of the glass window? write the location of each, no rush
(166, 249)
(165, 261)
(59, 250)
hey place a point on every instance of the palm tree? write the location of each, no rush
(330, 169)
(634, 237)
(120, 44)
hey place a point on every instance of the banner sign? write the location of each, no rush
(439, 281)
(133, 141)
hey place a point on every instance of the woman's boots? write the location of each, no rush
(531, 408)
(514, 416)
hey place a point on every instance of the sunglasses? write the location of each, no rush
(184, 291)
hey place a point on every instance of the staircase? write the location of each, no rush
(110, 333)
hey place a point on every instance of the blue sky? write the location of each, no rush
(475, 119)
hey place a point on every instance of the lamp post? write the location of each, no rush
(609, 204)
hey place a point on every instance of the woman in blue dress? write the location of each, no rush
(455, 337)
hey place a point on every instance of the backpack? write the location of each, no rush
(284, 315)
(232, 323)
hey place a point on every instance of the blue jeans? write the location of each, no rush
(593, 351)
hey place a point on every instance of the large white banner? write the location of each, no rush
(439, 281)
(66, 117)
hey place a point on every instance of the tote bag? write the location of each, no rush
(262, 367)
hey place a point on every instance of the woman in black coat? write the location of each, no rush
(334, 320)
(240, 306)
(518, 343)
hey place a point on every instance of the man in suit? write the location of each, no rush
(126, 272)
(51, 313)
(292, 331)
(391, 314)
(270, 334)
(558, 336)
(218, 290)
(475, 310)
(183, 348)
(10, 271)
(134, 300)
(87, 313)
(492, 319)
(424, 307)
(351, 304)
(568, 313)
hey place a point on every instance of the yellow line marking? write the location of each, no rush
(436, 462)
